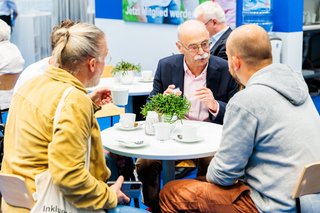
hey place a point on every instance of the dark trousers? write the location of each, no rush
(6, 19)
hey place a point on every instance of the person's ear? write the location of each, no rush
(92, 64)
(214, 21)
(180, 47)
(236, 63)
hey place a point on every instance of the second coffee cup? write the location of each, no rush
(127, 120)
(188, 133)
(162, 131)
(119, 96)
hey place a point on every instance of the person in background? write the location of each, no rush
(33, 145)
(229, 8)
(8, 11)
(203, 79)
(213, 16)
(11, 63)
(264, 147)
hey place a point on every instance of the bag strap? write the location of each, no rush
(56, 120)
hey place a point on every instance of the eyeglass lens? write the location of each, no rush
(195, 47)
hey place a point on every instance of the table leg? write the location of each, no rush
(168, 168)
(129, 107)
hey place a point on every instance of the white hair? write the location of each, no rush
(210, 10)
(5, 31)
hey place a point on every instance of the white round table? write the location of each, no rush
(168, 150)
(137, 88)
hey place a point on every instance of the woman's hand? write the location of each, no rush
(116, 188)
(101, 96)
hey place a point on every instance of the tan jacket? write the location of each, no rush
(29, 132)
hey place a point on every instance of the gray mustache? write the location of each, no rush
(199, 57)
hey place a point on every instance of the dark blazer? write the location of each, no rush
(170, 71)
(219, 48)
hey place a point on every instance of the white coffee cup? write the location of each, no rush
(147, 75)
(187, 132)
(162, 131)
(127, 120)
(119, 95)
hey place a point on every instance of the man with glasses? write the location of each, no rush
(203, 79)
(213, 16)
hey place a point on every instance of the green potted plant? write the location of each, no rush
(170, 108)
(125, 71)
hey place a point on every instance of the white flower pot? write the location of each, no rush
(127, 77)
(168, 118)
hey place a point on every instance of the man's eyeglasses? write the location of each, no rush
(108, 59)
(194, 48)
(207, 22)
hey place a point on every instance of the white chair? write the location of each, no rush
(308, 183)
(14, 191)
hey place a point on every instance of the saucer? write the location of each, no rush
(146, 80)
(132, 144)
(118, 126)
(187, 141)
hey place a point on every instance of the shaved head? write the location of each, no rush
(192, 29)
(251, 43)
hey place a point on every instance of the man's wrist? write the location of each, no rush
(215, 107)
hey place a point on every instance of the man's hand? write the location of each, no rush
(171, 90)
(122, 198)
(206, 97)
(101, 96)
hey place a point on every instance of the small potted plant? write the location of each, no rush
(125, 71)
(170, 108)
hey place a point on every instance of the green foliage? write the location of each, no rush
(124, 66)
(169, 105)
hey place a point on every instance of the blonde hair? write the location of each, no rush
(210, 10)
(75, 45)
(64, 24)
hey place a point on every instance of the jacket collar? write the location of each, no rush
(64, 76)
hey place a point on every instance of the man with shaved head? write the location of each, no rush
(203, 79)
(270, 132)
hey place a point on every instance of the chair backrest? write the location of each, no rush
(7, 81)
(308, 183)
(108, 110)
(14, 191)
(107, 71)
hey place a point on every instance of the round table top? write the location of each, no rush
(152, 148)
(137, 88)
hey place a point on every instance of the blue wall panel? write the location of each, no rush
(287, 15)
(239, 13)
(111, 9)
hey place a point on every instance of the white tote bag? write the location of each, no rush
(48, 196)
